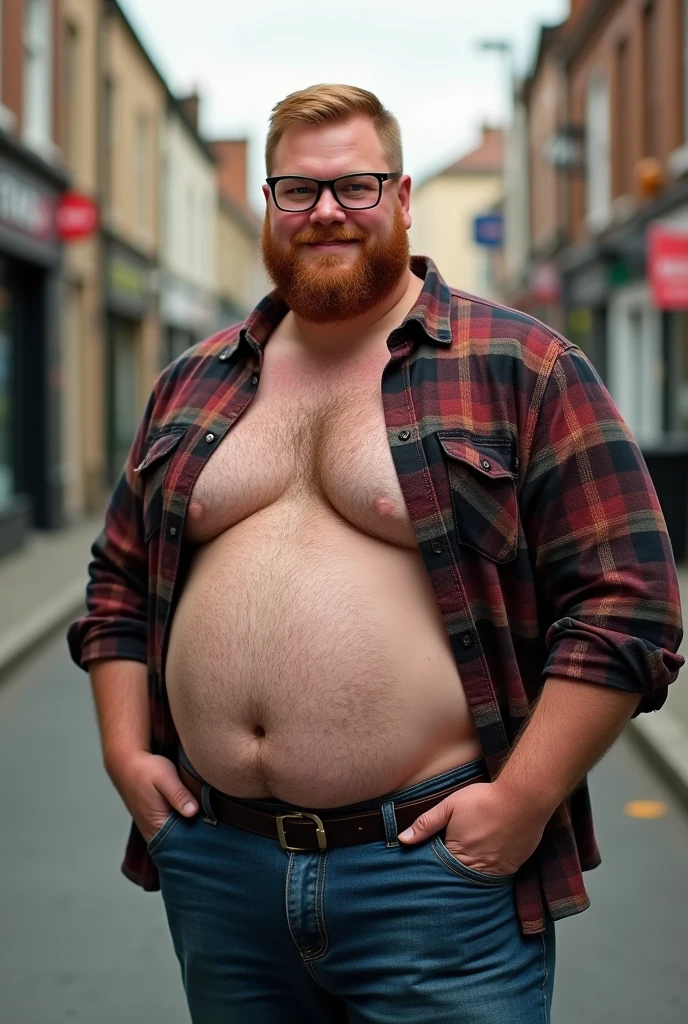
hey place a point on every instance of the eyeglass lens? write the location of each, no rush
(355, 192)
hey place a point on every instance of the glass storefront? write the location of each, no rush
(125, 388)
(6, 378)
(678, 372)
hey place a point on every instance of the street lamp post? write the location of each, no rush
(505, 48)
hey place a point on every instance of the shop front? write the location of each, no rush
(188, 315)
(129, 292)
(31, 484)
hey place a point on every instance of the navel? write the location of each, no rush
(259, 732)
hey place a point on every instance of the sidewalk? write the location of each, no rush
(664, 737)
(43, 586)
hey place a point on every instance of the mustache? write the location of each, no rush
(311, 236)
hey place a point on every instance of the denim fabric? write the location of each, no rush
(379, 933)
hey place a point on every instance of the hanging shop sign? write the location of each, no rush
(76, 217)
(667, 266)
(489, 230)
(25, 208)
(545, 283)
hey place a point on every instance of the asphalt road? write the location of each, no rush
(81, 943)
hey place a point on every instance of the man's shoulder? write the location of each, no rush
(220, 344)
(482, 319)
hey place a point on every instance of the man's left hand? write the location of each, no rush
(485, 831)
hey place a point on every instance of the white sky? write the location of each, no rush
(421, 58)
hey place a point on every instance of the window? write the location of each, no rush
(37, 71)
(108, 132)
(598, 184)
(622, 121)
(72, 94)
(142, 171)
(650, 81)
(684, 47)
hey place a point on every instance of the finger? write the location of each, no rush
(175, 792)
(428, 823)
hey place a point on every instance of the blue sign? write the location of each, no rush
(489, 230)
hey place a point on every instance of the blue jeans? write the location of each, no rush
(379, 932)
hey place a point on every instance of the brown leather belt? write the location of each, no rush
(301, 830)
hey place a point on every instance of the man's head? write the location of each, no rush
(347, 252)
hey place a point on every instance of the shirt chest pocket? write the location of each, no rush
(484, 494)
(152, 470)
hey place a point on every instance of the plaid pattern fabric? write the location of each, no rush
(533, 510)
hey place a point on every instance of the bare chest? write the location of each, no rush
(309, 437)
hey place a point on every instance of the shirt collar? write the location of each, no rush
(432, 310)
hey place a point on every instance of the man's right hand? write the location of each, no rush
(151, 789)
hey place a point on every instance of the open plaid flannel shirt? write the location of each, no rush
(533, 510)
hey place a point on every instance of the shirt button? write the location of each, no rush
(255, 378)
(437, 548)
(467, 639)
(485, 464)
(210, 438)
(173, 531)
(224, 355)
(404, 435)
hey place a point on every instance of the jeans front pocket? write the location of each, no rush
(449, 861)
(163, 832)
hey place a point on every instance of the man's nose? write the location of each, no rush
(327, 210)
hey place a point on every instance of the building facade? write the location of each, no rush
(133, 112)
(444, 208)
(32, 180)
(189, 228)
(241, 279)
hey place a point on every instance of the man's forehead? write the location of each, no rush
(330, 149)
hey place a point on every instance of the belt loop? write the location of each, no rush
(390, 820)
(210, 818)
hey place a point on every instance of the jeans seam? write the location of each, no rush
(543, 967)
(319, 911)
(286, 900)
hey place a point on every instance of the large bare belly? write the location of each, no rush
(309, 661)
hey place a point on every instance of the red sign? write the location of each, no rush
(77, 216)
(545, 284)
(667, 263)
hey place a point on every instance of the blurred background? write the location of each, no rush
(548, 145)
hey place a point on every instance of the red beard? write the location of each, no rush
(324, 289)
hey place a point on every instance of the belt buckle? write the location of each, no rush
(319, 830)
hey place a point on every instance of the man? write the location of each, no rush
(362, 544)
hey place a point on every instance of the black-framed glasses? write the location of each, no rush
(293, 193)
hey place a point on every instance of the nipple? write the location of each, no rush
(196, 510)
(386, 507)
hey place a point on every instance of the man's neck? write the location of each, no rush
(345, 336)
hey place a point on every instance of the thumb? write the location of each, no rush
(175, 792)
(428, 823)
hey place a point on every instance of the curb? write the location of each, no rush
(663, 739)
(45, 620)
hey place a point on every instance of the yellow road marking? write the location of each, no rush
(646, 809)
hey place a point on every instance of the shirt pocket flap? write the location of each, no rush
(488, 460)
(160, 447)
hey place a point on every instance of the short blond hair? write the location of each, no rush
(321, 103)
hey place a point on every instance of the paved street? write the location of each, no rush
(81, 943)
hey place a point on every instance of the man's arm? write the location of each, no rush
(571, 728)
(149, 785)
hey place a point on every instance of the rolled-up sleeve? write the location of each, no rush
(116, 620)
(605, 574)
